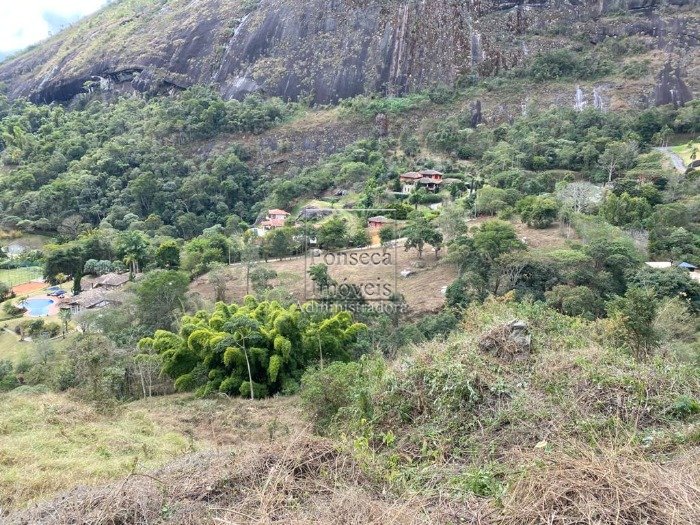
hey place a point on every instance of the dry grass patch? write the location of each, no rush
(594, 489)
(305, 481)
(422, 290)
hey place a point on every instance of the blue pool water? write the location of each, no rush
(37, 307)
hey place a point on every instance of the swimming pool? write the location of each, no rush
(37, 307)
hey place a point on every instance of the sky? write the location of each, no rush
(26, 22)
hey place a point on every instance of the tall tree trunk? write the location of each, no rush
(250, 374)
(320, 351)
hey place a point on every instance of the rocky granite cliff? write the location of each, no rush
(327, 50)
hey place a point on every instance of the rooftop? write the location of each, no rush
(277, 212)
(272, 223)
(659, 265)
(112, 279)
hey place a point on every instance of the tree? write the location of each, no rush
(333, 234)
(452, 221)
(278, 243)
(672, 283)
(168, 255)
(494, 238)
(634, 315)
(5, 291)
(250, 255)
(538, 211)
(132, 247)
(387, 233)
(418, 232)
(91, 358)
(219, 277)
(321, 278)
(67, 259)
(360, 238)
(612, 256)
(64, 314)
(677, 244)
(490, 200)
(625, 210)
(148, 365)
(332, 334)
(158, 295)
(619, 156)
(260, 278)
(254, 349)
(575, 301)
(243, 329)
(580, 195)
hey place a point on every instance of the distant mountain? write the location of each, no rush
(326, 50)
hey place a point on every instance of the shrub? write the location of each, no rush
(8, 379)
(562, 63)
(324, 391)
(538, 212)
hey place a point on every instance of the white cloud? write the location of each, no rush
(25, 22)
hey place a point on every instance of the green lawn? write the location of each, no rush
(10, 346)
(20, 275)
(686, 150)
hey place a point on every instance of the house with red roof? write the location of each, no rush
(431, 180)
(408, 181)
(274, 219)
(378, 221)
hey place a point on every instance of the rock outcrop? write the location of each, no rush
(327, 50)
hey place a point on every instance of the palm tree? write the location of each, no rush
(65, 315)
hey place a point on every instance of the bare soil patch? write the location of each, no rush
(422, 290)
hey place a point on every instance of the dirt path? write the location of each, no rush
(675, 159)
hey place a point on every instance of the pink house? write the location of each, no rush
(275, 219)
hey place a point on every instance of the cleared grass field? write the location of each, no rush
(17, 276)
(422, 290)
(685, 151)
(50, 442)
(10, 346)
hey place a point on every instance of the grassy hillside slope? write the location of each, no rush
(572, 430)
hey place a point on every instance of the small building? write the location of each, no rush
(275, 219)
(277, 214)
(111, 281)
(665, 265)
(378, 221)
(659, 265)
(431, 174)
(90, 300)
(409, 180)
(430, 184)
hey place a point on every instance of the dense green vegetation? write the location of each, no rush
(125, 163)
(257, 349)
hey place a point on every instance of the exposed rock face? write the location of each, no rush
(671, 89)
(325, 49)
